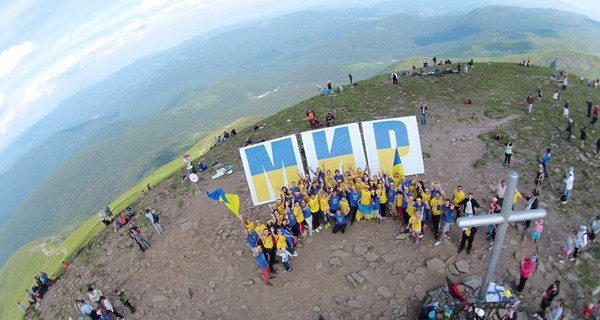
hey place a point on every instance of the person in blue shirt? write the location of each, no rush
(294, 188)
(289, 237)
(353, 198)
(405, 195)
(263, 265)
(338, 177)
(544, 160)
(334, 201)
(292, 222)
(307, 216)
(376, 205)
(252, 239)
(391, 192)
(340, 221)
(448, 218)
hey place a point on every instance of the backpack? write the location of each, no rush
(154, 217)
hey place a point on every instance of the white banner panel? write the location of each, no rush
(384, 138)
(271, 165)
(334, 148)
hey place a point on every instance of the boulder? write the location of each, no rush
(435, 264)
(462, 266)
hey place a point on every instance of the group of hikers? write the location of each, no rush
(97, 306)
(38, 290)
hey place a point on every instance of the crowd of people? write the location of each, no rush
(38, 290)
(97, 306)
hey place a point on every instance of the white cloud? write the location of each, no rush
(135, 25)
(12, 57)
(1, 100)
(46, 83)
(148, 5)
(6, 119)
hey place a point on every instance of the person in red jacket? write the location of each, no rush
(527, 269)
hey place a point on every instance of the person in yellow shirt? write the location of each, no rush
(299, 215)
(399, 208)
(344, 205)
(436, 213)
(280, 240)
(457, 197)
(324, 205)
(259, 227)
(315, 210)
(364, 203)
(383, 200)
(249, 224)
(269, 248)
(415, 223)
(518, 196)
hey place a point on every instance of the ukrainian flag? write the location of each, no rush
(232, 201)
(397, 165)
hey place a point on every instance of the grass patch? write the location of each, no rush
(480, 163)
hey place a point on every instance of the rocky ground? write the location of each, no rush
(200, 268)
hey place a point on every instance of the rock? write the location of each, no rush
(453, 270)
(360, 250)
(384, 291)
(245, 308)
(473, 282)
(371, 257)
(229, 273)
(335, 261)
(186, 226)
(239, 252)
(462, 266)
(435, 264)
(586, 256)
(357, 277)
(339, 253)
(351, 280)
(402, 236)
(355, 303)
(419, 292)
(316, 309)
(422, 249)
(159, 298)
(390, 258)
(212, 284)
(318, 265)
(247, 283)
(257, 279)
(501, 313)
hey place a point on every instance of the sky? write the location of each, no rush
(50, 49)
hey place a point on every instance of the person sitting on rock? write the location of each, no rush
(329, 119)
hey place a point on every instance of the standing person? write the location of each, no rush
(353, 199)
(529, 102)
(136, 234)
(556, 311)
(597, 148)
(501, 191)
(537, 230)
(570, 125)
(469, 205)
(153, 217)
(286, 258)
(434, 60)
(555, 98)
(569, 247)
(308, 218)
(109, 307)
(94, 295)
(394, 78)
(448, 216)
(582, 241)
(532, 204)
(539, 93)
(87, 310)
(545, 160)
(125, 300)
(109, 213)
(423, 112)
(350, 76)
(508, 153)
(594, 122)
(527, 269)
(594, 228)
(103, 218)
(589, 106)
(539, 178)
(468, 235)
(551, 293)
(263, 265)
(437, 209)
(582, 136)
(566, 109)
(319, 88)
(568, 181)
(269, 248)
(415, 222)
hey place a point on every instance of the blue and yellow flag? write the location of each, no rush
(397, 165)
(232, 201)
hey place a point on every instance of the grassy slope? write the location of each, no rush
(48, 253)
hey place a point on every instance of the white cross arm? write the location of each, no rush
(489, 219)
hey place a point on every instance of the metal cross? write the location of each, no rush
(502, 220)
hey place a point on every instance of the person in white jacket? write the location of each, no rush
(109, 307)
(568, 181)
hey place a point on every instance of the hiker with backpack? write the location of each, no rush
(153, 217)
(136, 234)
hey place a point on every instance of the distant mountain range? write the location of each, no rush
(107, 137)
